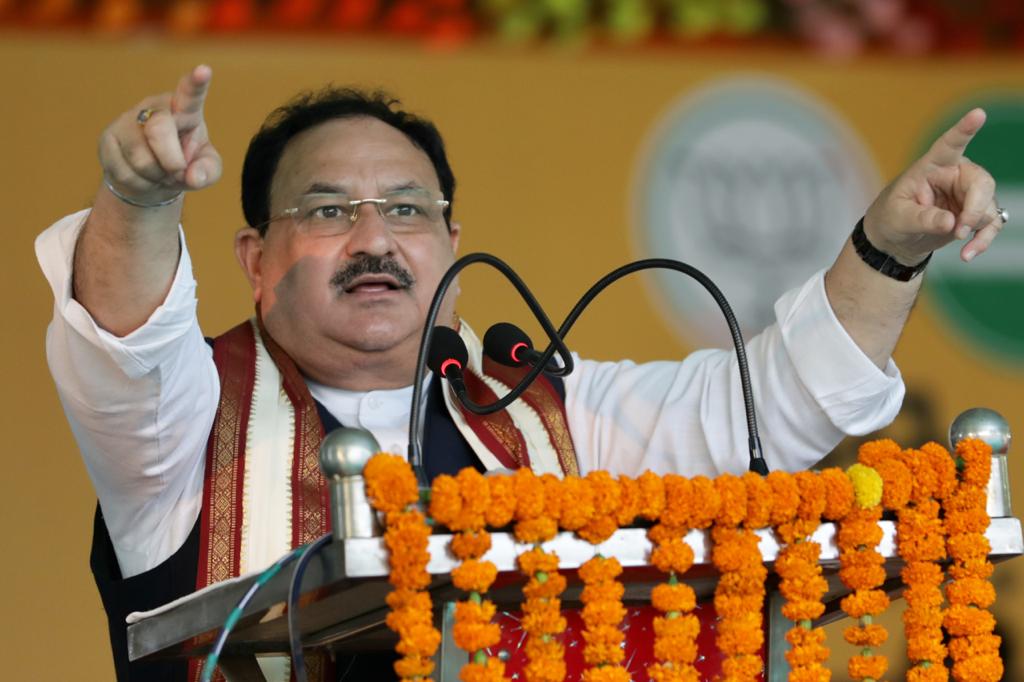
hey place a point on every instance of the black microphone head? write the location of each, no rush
(503, 343)
(446, 347)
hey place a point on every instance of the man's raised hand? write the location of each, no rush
(161, 147)
(943, 196)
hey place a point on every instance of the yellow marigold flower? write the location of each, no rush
(867, 485)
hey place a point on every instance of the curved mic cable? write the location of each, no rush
(757, 462)
(555, 345)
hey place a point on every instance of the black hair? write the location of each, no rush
(309, 109)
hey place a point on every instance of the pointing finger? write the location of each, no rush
(190, 94)
(949, 149)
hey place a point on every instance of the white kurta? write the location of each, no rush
(141, 406)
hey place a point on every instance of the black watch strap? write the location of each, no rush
(881, 261)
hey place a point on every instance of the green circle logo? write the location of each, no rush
(983, 301)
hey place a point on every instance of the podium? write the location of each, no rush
(345, 585)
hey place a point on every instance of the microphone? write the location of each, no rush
(509, 345)
(447, 358)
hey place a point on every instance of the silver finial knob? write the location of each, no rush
(345, 452)
(984, 424)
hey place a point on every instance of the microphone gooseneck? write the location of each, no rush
(556, 345)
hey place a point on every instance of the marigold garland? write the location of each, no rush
(391, 487)
(800, 579)
(537, 512)
(972, 646)
(920, 537)
(462, 504)
(861, 568)
(739, 595)
(676, 629)
(911, 482)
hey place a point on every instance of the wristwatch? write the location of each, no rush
(881, 261)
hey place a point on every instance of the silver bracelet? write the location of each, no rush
(139, 204)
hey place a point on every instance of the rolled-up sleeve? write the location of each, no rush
(812, 386)
(140, 406)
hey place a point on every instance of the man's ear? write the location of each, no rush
(249, 252)
(454, 232)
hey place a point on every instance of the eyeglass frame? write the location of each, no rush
(378, 202)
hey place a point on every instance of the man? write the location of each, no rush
(349, 205)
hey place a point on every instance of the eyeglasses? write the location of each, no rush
(406, 210)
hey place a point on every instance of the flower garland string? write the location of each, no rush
(461, 504)
(602, 592)
(973, 646)
(862, 570)
(392, 489)
(739, 595)
(538, 506)
(675, 631)
(920, 541)
(801, 582)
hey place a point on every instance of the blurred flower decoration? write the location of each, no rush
(835, 28)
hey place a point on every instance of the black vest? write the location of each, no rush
(445, 452)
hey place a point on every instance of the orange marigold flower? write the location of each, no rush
(812, 495)
(503, 501)
(944, 467)
(476, 497)
(529, 492)
(472, 635)
(474, 575)
(599, 529)
(611, 590)
(865, 603)
(546, 660)
(544, 620)
(968, 547)
(445, 499)
(971, 591)
(390, 483)
(553, 586)
(705, 502)
(876, 451)
(414, 666)
(606, 492)
(980, 669)
(933, 673)
(927, 647)
(603, 612)
(659, 672)
(554, 495)
(673, 556)
(866, 635)
(961, 522)
(678, 597)
(536, 560)
(964, 620)
(679, 501)
(470, 544)
(576, 515)
(977, 462)
(629, 501)
(980, 568)
(600, 569)
(896, 483)
(966, 499)
(740, 635)
(971, 646)
(652, 495)
(860, 667)
(743, 667)
(601, 646)
(662, 533)
(535, 530)
(838, 493)
(759, 500)
(803, 609)
(785, 497)
(732, 495)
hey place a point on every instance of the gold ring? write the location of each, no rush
(144, 115)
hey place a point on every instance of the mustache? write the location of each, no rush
(372, 265)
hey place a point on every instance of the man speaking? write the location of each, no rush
(203, 453)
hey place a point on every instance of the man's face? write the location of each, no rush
(315, 293)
